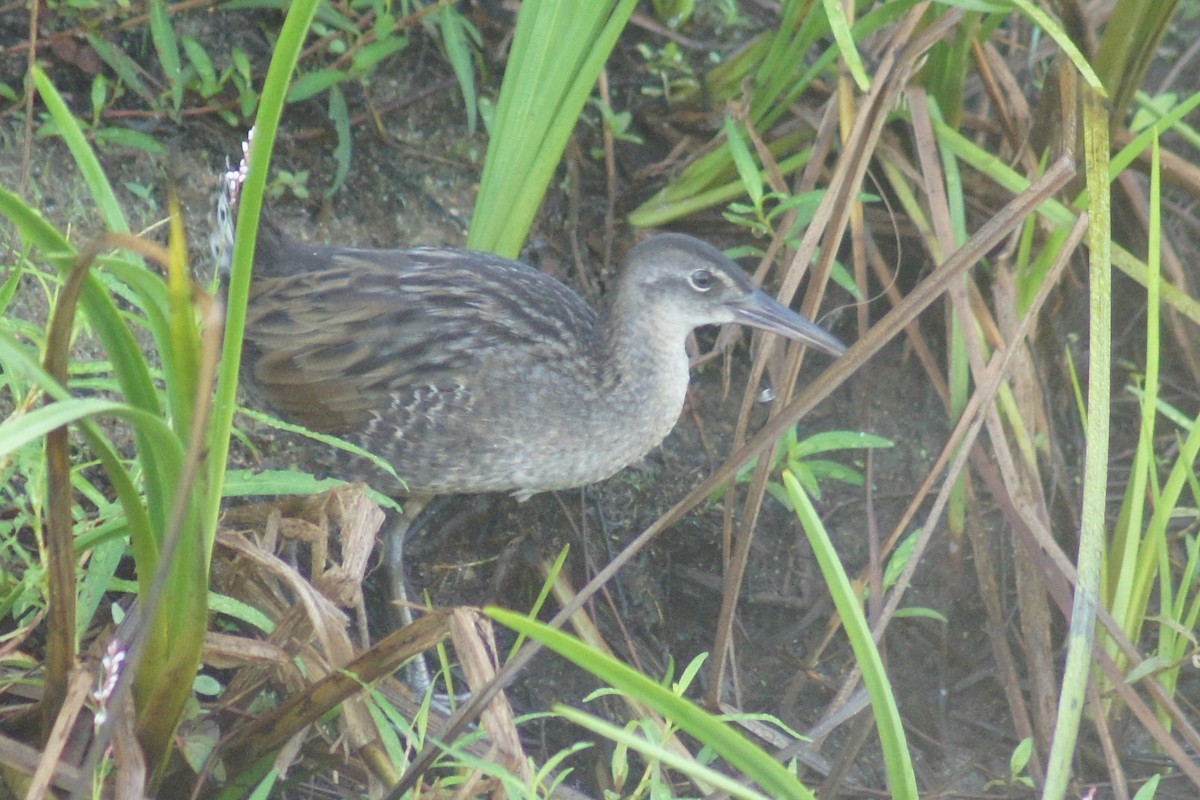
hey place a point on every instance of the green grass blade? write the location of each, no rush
(839, 26)
(1064, 42)
(741, 754)
(129, 365)
(710, 779)
(1129, 45)
(167, 47)
(270, 110)
(81, 151)
(456, 36)
(902, 780)
(559, 48)
(1081, 636)
(125, 67)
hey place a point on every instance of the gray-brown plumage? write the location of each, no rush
(473, 373)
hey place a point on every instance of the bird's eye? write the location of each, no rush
(702, 280)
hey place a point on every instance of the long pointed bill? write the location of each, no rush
(764, 312)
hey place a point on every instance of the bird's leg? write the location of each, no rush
(417, 671)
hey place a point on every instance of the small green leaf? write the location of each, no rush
(314, 83)
(126, 137)
(167, 47)
(207, 685)
(198, 58)
(920, 612)
(455, 32)
(328, 16)
(366, 58)
(487, 112)
(249, 100)
(804, 205)
(126, 68)
(689, 674)
(823, 469)
(1149, 788)
(842, 277)
(9, 288)
(339, 115)
(839, 26)
(99, 97)
(1151, 665)
(1020, 757)
(674, 13)
(385, 23)
(745, 251)
(747, 167)
(241, 63)
(900, 558)
(837, 440)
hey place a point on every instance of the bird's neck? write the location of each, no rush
(645, 364)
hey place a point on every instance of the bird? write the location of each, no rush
(473, 373)
(469, 372)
